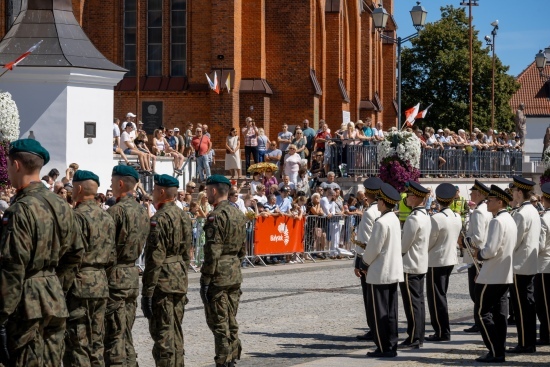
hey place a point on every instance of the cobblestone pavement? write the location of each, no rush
(309, 315)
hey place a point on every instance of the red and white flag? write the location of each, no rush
(410, 114)
(422, 114)
(11, 65)
(216, 83)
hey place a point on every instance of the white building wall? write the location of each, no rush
(536, 128)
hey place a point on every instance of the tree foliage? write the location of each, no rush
(436, 70)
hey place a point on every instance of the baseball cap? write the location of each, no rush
(176, 129)
(130, 114)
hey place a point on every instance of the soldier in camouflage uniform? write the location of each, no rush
(165, 275)
(221, 272)
(131, 231)
(87, 298)
(40, 246)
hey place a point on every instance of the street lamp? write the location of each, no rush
(380, 18)
(471, 3)
(540, 62)
(491, 44)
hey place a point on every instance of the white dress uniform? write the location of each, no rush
(493, 282)
(385, 270)
(525, 261)
(442, 257)
(364, 231)
(414, 247)
(542, 279)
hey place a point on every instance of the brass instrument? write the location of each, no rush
(470, 248)
(355, 242)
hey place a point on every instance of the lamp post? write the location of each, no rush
(471, 3)
(491, 44)
(380, 18)
(540, 62)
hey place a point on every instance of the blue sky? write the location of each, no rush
(524, 26)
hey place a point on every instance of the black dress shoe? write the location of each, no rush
(489, 358)
(406, 345)
(473, 329)
(521, 350)
(436, 338)
(365, 337)
(543, 342)
(378, 354)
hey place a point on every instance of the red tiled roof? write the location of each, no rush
(534, 92)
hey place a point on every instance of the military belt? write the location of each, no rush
(126, 264)
(172, 259)
(92, 267)
(42, 273)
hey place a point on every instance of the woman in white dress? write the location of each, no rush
(292, 163)
(233, 154)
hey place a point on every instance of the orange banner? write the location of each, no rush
(278, 235)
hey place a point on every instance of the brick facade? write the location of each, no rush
(277, 41)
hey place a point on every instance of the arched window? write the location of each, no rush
(129, 31)
(178, 37)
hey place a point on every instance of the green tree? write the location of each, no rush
(436, 70)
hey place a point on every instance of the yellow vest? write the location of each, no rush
(458, 206)
(404, 210)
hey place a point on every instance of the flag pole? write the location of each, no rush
(4, 72)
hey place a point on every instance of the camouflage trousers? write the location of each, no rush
(119, 321)
(166, 330)
(37, 342)
(221, 312)
(85, 332)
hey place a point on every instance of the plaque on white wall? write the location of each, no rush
(346, 117)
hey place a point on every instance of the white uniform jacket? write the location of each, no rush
(544, 244)
(364, 229)
(527, 245)
(497, 251)
(415, 240)
(446, 226)
(477, 231)
(383, 252)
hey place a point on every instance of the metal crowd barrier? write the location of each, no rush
(197, 249)
(249, 258)
(363, 160)
(329, 234)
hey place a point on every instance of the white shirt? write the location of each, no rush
(124, 137)
(383, 251)
(497, 252)
(446, 226)
(415, 241)
(329, 207)
(527, 245)
(260, 199)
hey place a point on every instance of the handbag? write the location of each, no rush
(227, 151)
(306, 152)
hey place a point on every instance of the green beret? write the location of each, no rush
(82, 175)
(30, 146)
(122, 170)
(166, 181)
(217, 179)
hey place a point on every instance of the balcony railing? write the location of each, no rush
(363, 160)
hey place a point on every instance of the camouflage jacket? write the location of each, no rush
(167, 251)
(131, 231)
(225, 236)
(98, 235)
(39, 238)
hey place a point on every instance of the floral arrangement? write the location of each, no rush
(9, 131)
(546, 163)
(399, 159)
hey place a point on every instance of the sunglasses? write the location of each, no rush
(198, 131)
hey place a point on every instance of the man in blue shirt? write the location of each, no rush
(172, 140)
(309, 134)
(284, 202)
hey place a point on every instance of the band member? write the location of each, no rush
(364, 230)
(385, 269)
(476, 235)
(525, 266)
(446, 226)
(542, 279)
(495, 277)
(414, 248)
